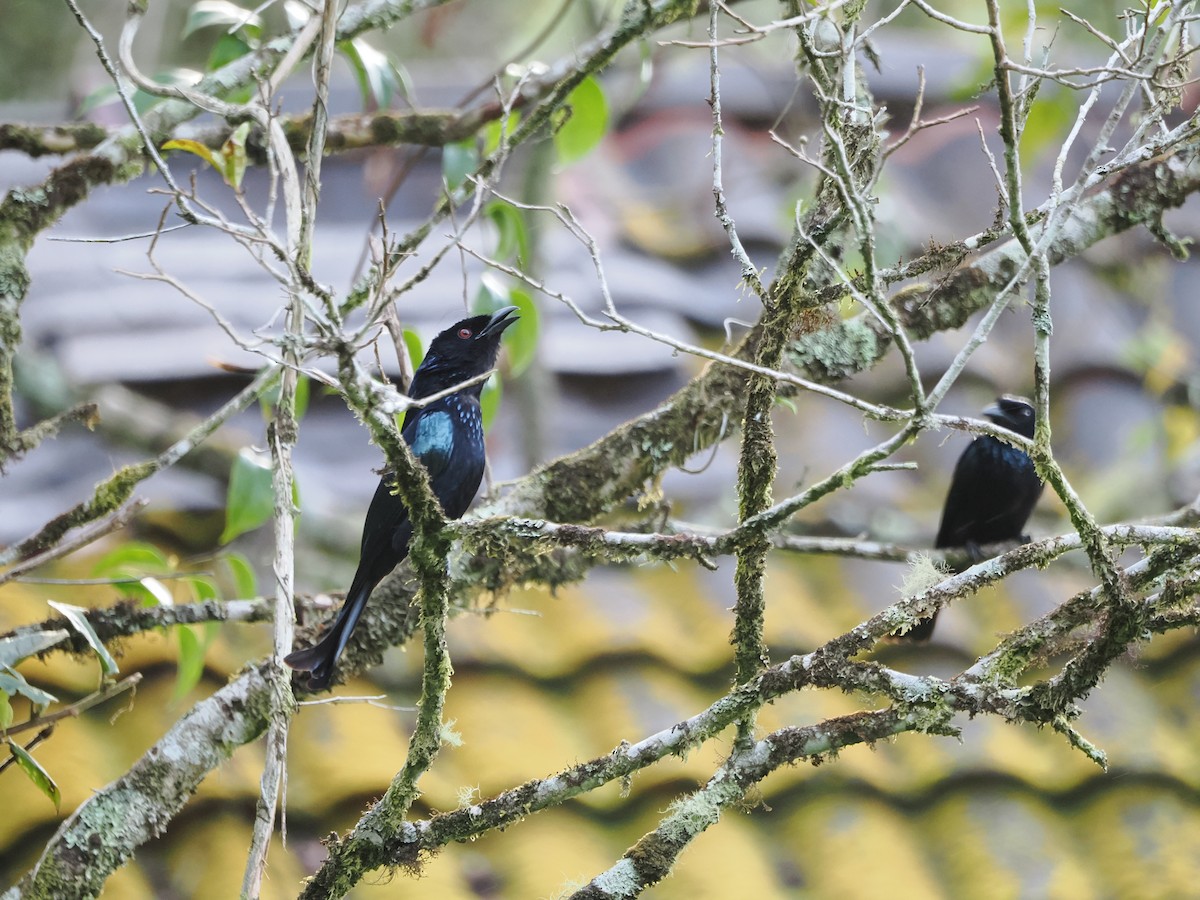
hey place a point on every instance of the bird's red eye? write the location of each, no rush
(464, 333)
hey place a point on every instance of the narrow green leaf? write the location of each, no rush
(493, 294)
(132, 559)
(303, 392)
(228, 48)
(221, 14)
(458, 161)
(233, 156)
(379, 78)
(142, 101)
(191, 661)
(6, 712)
(584, 125)
(493, 131)
(15, 649)
(13, 682)
(39, 776)
(412, 343)
(101, 96)
(250, 500)
(1053, 106)
(155, 592)
(521, 340)
(196, 149)
(512, 237)
(489, 400)
(203, 588)
(77, 616)
(269, 398)
(245, 584)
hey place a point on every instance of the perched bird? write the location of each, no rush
(992, 493)
(447, 437)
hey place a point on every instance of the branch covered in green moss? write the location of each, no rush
(922, 703)
(103, 833)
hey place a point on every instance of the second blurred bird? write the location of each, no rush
(992, 493)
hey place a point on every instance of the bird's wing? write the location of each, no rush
(431, 437)
(969, 499)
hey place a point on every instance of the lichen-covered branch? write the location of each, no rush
(130, 617)
(114, 491)
(108, 827)
(924, 703)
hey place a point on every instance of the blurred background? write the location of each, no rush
(541, 680)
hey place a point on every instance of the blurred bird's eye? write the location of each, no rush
(464, 333)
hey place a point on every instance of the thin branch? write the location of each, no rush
(79, 706)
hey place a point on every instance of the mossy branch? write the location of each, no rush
(103, 833)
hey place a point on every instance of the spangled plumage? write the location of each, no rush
(447, 437)
(992, 493)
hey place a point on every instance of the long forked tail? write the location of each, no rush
(320, 659)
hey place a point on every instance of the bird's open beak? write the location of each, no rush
(500, 320)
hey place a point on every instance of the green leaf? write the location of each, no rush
(101, 96)
(13, 682)
(251, 499)
(512, 237)
(191, 661)
(203, 588)
(584, 124)
(39, 776)
(142, 101)
(493, 294)
(521, 339)
(230, 160)
(458, 161)
(245, 584)
(228, 48)
(270, 398)
(77, 617)
(6, 712)
(15, 649)
(221, 14)
(489, 400)
(196, 149)
(132, 560)
(233, 156)
(379, 78)
(412, 343)
(493, 130)
(1044, 124)
(303, 392)
(155, 593)
(138, 560)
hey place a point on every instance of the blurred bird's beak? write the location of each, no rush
(992, 412)
(500, 320)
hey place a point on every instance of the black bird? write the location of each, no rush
(447, 437)
(992, 493)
